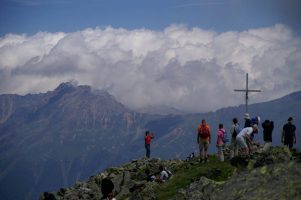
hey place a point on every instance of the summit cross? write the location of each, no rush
(247, 90)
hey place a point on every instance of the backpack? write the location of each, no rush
(204, 131)
(225, 137)
(255, 120)
(235, 131)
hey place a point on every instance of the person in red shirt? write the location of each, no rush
(148, 138)
(203, 139)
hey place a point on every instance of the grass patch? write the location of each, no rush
(191, 171)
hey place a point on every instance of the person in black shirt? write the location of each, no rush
(268, 127)
(288, 136)
(248, 122)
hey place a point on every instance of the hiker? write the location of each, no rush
(48, 196)
(243, 139)
(203, 139)
(107, 187)
(288, 137)
(268, 127)
(235, 129)
(148, 138)
(163, 177)
(220, 143)
(248, 122)
(149, 176)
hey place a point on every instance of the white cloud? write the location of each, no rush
(190, 69)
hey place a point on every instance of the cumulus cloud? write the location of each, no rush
(189, 69)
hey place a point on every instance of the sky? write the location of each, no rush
(187, 54)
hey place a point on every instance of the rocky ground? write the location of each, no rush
(266, 176)
(275, 174)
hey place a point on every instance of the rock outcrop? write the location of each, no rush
(270, 175)
(280, 181)
(128, 179)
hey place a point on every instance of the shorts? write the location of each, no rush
(204, 144)
(241, 141)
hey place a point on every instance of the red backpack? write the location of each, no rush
(204, 131)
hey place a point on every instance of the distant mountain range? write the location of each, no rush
(160, 110)
(53, 139)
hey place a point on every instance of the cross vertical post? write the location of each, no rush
(247, 90)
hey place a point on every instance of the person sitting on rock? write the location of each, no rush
(107, 187)
(48, 196)
(243, 139)
(163, 175)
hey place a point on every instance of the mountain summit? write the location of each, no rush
(58, 137)
(53, 139)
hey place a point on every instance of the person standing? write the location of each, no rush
(235, 129)
(203, 139)
(220, 143)
(148, 139)
(288, 136)
(243, 139)
(268, 127)
(248, 121)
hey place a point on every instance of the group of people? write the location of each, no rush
(241, 141)
(242, 138)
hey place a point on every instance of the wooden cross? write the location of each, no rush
(247, 90)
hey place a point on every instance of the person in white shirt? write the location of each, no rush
(244, 137)
(163, 175)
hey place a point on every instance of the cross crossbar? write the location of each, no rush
(247, 90)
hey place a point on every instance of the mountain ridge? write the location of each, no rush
(242, 177)
(56, 138)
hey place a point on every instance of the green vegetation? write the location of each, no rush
(191, 171)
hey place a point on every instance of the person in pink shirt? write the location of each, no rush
(219, 142)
